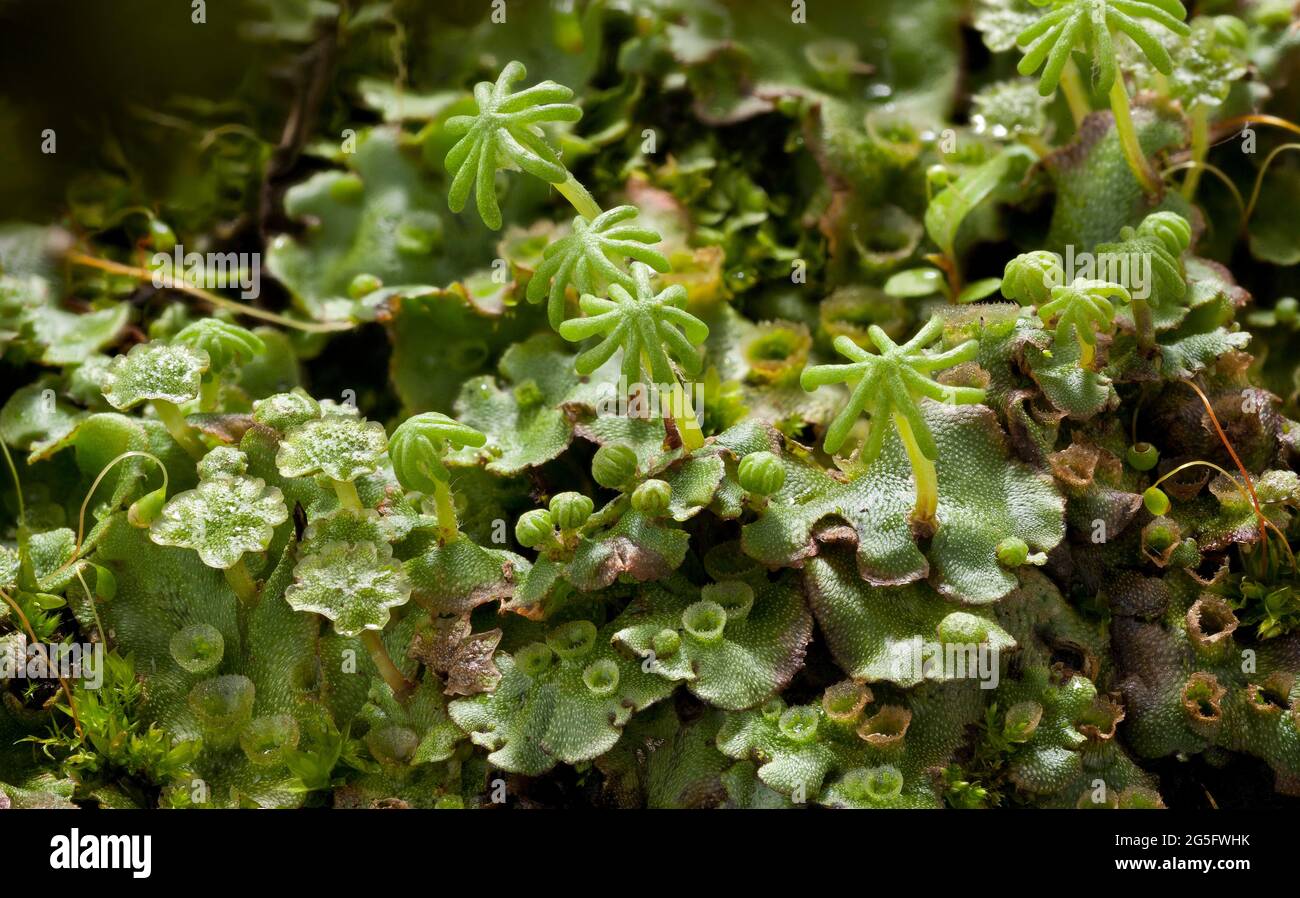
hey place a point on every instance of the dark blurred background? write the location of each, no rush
(101, 75)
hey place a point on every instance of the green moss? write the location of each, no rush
(377, 530)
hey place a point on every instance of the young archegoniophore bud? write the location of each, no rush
(161, 236)
(1029, 278)
(145, 510)
(1231, 31)
(363, 285)
(417, 448)
(652, 497)
(571, 510)
(1012, 552)
(534, 528)
(1170, 228)
(1142, 456)
(761, 473)
(1287, 310)
(226, 344)
(613, 465)
(418, 445)
(1156, 501)
(962, 628)
(666, 643)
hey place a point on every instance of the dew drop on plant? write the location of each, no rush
(963, 627)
